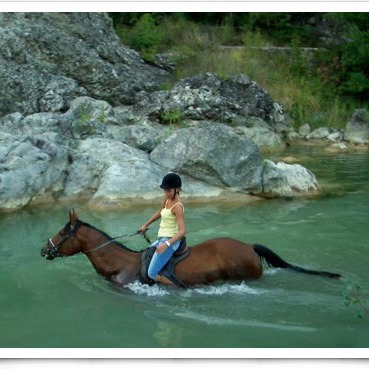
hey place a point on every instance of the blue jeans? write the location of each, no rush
(158, 261)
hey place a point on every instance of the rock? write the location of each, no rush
(105, 168)
(108, 173)
(166, 61)
(265, 138)
(31, 169)
(34, 124)
(280, 120)
(357, 129)
(335, 136)
(290, 159)
(213, 154)
(58, 93)
(142, 137)
(235, 101)
(81, 118)
(304, 130)
(49, 59)
(337, 148)
(283, 179)
(319, 133)
(87, 117)
(292, 135)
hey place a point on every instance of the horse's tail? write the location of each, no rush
(276, 261)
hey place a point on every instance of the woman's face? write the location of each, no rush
(169, 194)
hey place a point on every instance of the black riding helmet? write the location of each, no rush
(171, 180)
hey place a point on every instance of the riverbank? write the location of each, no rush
(306, 153)
(109, 142)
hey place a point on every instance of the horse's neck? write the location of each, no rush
(111, 260)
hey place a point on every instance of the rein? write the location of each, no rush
(103, 245)
(116, 238)
(54, 251)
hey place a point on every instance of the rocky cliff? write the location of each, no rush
(83, 117)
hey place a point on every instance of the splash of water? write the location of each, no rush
(218, 290)
(144, 289)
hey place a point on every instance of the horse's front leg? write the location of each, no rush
(123, 278)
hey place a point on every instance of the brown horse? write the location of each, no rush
(210, 261)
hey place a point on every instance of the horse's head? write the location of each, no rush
(65, 242)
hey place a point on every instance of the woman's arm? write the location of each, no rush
(178, 212)
(154, 218)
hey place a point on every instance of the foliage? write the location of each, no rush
(355, 59)
(319, 88)
(347, 62)
(86, 122)
(172, 117)
(143, 35)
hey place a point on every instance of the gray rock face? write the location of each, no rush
(357, 129)
(236, 101)
(213, 154)
(319, 133)
(103, 167)
(81, 118)
(48, 59)
(283, 179)
(263, 137)
(109, 172)
(30, 168)
(304, 130)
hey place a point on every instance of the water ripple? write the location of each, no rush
(156, 290)
(213, 320)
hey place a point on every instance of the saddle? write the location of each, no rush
(168, 270)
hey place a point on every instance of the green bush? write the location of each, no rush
(144, 36)
(355, 59)
(321, 89)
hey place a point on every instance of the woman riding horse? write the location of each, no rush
(210, 261)
(172, 227)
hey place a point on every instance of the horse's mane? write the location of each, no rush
(81, 223)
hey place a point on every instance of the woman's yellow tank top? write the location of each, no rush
(168, 225)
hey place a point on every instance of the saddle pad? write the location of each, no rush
(167, 271)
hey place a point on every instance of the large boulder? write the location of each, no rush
(109, 172)
(214, 154)
(15, 124)
(262, 136)
(48, 59)
(357, 129)
(31, 168)
(236, 101)
(102, 165)
(319, 133)
(87, 117)
(286, 180)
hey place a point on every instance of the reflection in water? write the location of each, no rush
(167, 334)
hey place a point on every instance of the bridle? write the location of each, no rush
(54, 248)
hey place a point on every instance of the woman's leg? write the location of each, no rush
(158, 261)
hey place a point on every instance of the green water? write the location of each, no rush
(64, 303)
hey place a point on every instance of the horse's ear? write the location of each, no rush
(73, 217)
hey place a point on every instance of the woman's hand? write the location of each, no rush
(143, 229)
(161, 248)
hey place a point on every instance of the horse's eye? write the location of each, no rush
(65, 230)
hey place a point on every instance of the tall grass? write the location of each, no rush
(293, 79)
